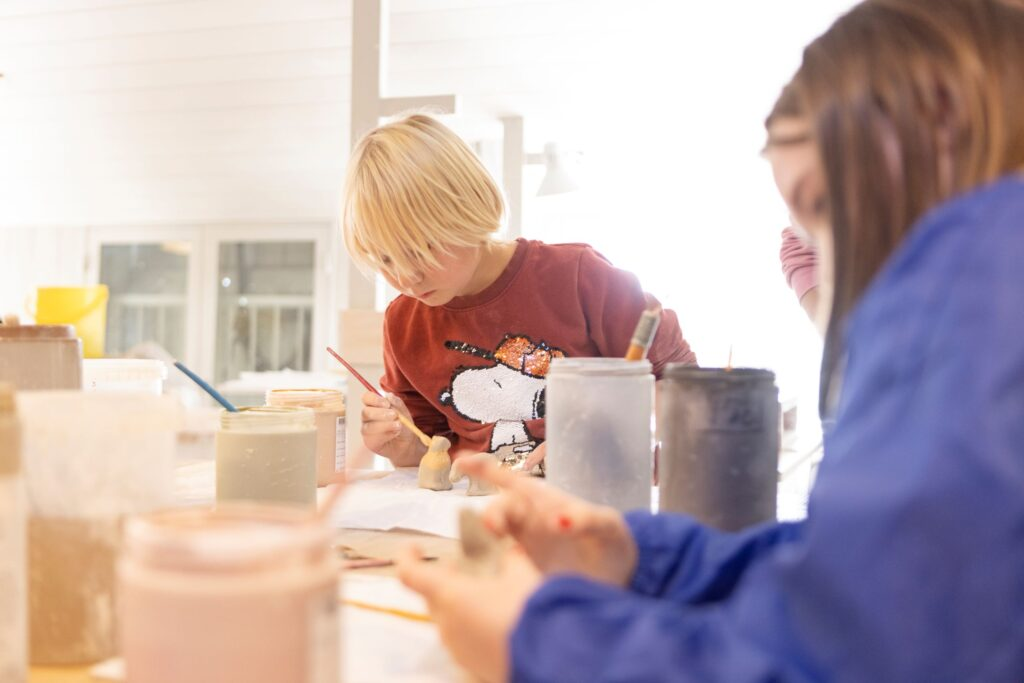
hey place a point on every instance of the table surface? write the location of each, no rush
(377, 544)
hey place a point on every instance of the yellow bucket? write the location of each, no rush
(83, 307)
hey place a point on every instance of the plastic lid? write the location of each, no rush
(682, 371)
(230, 537)
(123, 370)
(37, 332)
(267, 418)
(599, 366)
(324, 399)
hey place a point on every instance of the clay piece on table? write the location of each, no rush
(481, 550)
(513, 456)
(436, 465)
(477, 487)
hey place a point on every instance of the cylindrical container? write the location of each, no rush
(85, 308)
(40, 357)
(599, 435)
(329, 407)
(90, 460)
(241, 593)
(13, 561)
(719, 455)
(267, 455)
(124, 375)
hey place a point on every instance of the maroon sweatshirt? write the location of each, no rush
(474, 369)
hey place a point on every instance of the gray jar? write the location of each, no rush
(720, 439)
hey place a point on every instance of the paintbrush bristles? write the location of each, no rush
(644, 333)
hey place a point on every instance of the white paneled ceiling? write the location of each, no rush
(178, 110)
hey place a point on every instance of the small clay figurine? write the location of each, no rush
(436, 465)
(477, 487)
(481, 550)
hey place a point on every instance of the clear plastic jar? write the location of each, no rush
(240, 593)
(91, 459)
(599, 434)
(329, 408)
(267, 455)
(13, 563)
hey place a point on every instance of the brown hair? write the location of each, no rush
(911, 102)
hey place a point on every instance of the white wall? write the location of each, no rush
(149, 112)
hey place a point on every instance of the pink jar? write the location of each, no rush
(239, 593)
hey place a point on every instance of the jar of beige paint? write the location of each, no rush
(239, 593)
(267, 455)
(328, 405)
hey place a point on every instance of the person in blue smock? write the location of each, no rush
(910, 563)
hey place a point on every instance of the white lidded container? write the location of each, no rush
(600, 441)
(13, 561)
(124, 375)
(328, 405)
(91, 460)
(237, 593)
(267, 455)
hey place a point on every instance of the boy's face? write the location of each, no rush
(437, 286)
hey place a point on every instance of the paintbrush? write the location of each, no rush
(205, 386)
(436, 464)
(643, 335)
(426, 440)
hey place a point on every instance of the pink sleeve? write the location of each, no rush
(799, 263)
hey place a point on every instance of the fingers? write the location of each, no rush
(489, 470)
(372, 400)
(426, 578)
(379, 415)
(535, 457)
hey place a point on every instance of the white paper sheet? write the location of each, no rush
(396, 502)
(393, 501)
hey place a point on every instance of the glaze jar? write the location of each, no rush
(267, 455)
(328, 406)
(240, 593)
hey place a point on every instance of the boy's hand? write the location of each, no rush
(560, 533)
(384, 434)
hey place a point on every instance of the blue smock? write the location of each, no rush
(910, 564)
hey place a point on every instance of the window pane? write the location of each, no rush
(148, 285)
(265, 307)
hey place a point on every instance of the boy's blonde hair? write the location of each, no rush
(413, 189)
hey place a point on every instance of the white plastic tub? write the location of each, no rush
(124, 375)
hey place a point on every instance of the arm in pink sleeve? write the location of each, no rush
(799, 263)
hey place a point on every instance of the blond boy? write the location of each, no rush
(468, 343)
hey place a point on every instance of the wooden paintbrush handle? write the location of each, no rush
(412, 427)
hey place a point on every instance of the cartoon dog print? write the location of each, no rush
(507, 393)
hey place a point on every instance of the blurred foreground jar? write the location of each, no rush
(720, 436)
(241, 593)
(13, 588)
(91, 459)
